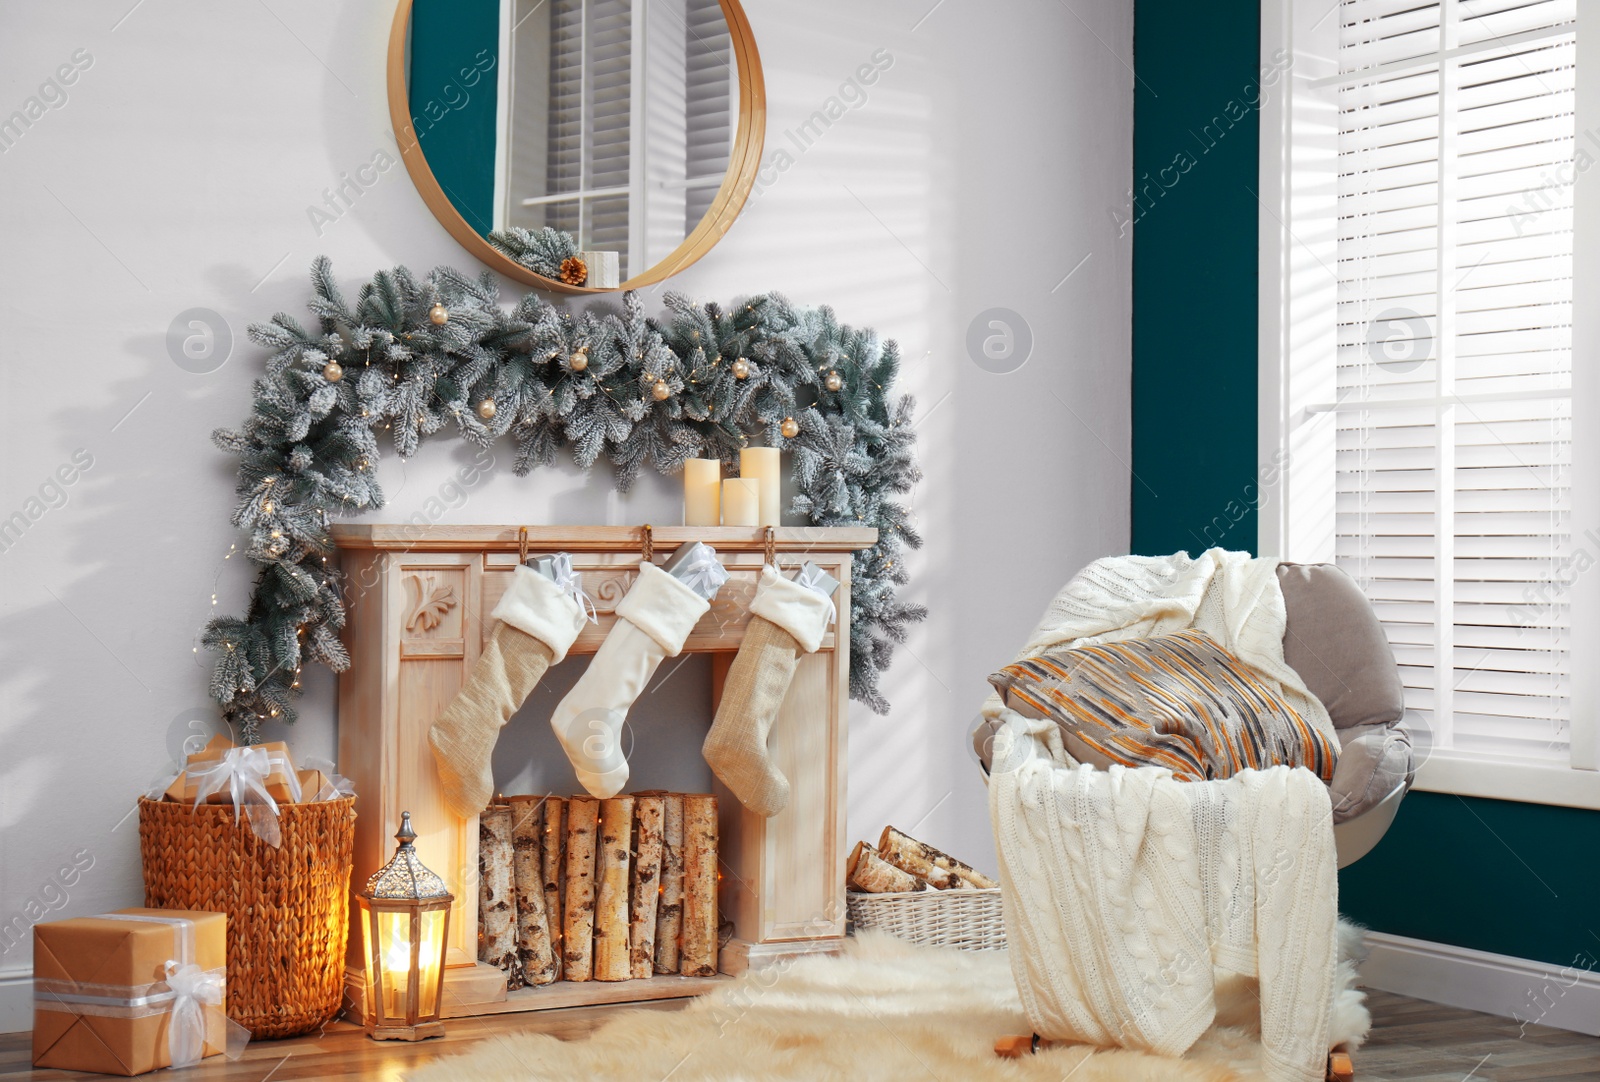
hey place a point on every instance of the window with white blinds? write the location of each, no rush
(1456, 149)
(623, 135)
(709, 107)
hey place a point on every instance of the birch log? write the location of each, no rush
(534, 946)
(669, 912)
(497, 907)
(553, 858)
(699, 950)
(577, 946)
(905, 852)
(871, 873)
(612, 870)
(646, 886)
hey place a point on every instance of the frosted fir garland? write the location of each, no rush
(415, 357)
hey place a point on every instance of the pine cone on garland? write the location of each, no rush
(574, 271)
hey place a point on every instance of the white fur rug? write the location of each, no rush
(884, 1009)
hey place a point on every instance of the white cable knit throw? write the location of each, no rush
(1231, 596)
(1124, 888)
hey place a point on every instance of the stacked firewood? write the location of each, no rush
(578, 889)
(901, 863)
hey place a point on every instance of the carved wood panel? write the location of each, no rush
(433, 618)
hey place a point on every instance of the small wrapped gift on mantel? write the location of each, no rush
(695, 564)
(132, 991)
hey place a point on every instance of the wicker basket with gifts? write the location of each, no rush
(241, 831)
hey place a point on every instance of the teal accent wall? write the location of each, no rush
(1195, 148)
(454, 91)
(1517, 879)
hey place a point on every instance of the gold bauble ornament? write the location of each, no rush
(661, 392)
(790, 428)
(439, 315)
(741, 369)
(333, 372)
(486, 409)
(579, 359)
(834, 381)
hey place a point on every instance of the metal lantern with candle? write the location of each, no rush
(405, 915)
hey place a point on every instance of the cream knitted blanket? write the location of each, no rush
(1231, 596)
(1123, 890)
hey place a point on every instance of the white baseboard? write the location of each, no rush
(16, 1002)
(1533, 992)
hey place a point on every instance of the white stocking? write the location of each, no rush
(652, 623)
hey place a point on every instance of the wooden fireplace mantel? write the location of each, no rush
(419, 602)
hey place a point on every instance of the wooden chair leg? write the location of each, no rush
(1017, 1045)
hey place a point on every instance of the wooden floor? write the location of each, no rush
(1411, 1041)
(1424, 1042)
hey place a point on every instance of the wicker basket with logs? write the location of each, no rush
(915, 892)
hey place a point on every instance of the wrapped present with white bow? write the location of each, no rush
(132, 991)
(221, 773)
(256, 779)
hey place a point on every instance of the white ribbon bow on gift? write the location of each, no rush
(243, 772)
(194, 990)
(570, 582)
(812, 578)
(702, 572)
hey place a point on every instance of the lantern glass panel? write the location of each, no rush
(430, 959)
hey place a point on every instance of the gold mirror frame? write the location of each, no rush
(743, 162)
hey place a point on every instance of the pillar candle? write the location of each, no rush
(741, 501)
(702, 480)
(762, 464)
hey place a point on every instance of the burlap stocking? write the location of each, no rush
(535, 624)
(787, 620)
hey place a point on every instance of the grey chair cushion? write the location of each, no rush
(1373, 761)
(1336, 644)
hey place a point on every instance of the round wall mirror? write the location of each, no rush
(579, 145)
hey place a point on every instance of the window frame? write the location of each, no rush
(1297, 191)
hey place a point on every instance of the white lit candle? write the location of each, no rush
(762, 464)
(702, 478)
(741, 501)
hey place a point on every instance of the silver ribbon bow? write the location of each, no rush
(814, 578)
(243, 772)
(570, 582)
(194, 989)
(701, 571)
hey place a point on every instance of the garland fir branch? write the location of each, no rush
(309, 449)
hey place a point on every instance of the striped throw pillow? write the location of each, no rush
(1178, 701)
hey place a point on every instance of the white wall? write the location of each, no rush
(177, 174)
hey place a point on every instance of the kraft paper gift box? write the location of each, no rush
(101, 1000)
(281, 784)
